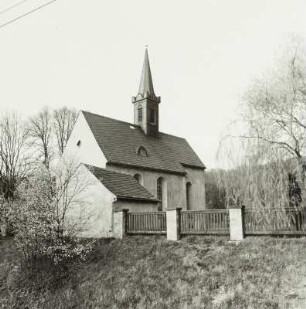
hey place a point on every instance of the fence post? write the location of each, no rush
(173, 224)
(236, 223)
(3, 229)
(120, 223)
(243, 220)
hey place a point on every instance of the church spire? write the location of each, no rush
(146, 89)
(146, 110)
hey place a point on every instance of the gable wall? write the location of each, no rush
(89, 151)
(95, 209)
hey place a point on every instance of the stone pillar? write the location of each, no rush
(120, 217)
(236, 224)
(173, 224)
(3, 228)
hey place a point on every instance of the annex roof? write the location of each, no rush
(119, 141)
(121, 184)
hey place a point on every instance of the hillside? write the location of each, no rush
(150, 272)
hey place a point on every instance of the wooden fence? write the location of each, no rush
(277, 221)
(211, 221)
(146, 223)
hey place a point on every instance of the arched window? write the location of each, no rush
(162, 192)
(188, 195)
(138, 177)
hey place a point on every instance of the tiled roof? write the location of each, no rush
(120, 140)
(120, 184)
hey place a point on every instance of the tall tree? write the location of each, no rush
(14, 159)
(275, 111)
(64, 120)
(40, 132)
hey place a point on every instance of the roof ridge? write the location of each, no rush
(129, 123)
(102, 116)
(173, 135)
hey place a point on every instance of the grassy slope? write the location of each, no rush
(197, 272)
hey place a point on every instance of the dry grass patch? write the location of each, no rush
(197, 272)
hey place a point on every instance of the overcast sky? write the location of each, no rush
(89, 54)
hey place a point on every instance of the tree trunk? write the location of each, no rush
(302, 171)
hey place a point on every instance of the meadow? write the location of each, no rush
(151, 272)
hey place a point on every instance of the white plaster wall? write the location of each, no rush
(94, 210)
(197, 179)
(134, 206)
(89, 151)
(176, 186)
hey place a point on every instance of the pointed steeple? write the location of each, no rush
(146, 84)
(146, 89)
(146, 103)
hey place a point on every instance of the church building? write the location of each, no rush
(136, 165)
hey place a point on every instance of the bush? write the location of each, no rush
(45, 239)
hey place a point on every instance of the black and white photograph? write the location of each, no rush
(152, 154)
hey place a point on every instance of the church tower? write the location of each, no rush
(146, 102)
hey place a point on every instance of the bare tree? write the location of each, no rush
(64, 120)
(14, 163)
(13, 156)
(275, 110)
(70, 185)
(267, 167)
(265, 161)
(40, 132)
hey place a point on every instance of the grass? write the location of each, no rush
(150, 272)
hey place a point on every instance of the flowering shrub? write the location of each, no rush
(44, 236)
